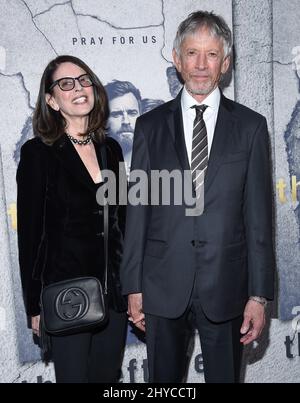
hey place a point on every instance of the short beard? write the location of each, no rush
(125, 141)
(200, 91)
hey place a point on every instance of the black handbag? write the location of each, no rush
(73, 306)
(79, 304)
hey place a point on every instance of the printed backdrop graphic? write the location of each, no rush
(128, 43)
(286, 52)
(129, 46)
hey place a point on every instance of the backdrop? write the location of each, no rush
(128, 44)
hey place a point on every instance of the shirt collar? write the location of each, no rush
(212, 100)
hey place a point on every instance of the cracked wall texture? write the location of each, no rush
(51, 27)
(286, 134)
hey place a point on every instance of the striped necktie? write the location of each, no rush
(199, 154)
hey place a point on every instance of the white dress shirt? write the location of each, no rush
(210, 117)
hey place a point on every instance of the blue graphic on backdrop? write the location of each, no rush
(289, 294)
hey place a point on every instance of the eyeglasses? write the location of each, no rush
(68, 83)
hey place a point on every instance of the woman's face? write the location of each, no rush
(75, 103)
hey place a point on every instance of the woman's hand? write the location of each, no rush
(35, 325)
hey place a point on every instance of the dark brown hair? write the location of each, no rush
(49, 124)
(118, 88)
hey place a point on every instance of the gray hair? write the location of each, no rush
(204, 19)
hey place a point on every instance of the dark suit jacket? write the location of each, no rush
(230, 245)
(63, 237)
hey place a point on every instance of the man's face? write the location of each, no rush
(124, 111)
(201, 63)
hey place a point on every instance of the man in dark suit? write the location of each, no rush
(212, 270)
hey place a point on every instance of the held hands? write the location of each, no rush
(35, 325)
(135, 311)
(254, 322)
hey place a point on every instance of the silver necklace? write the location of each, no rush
(81, 142)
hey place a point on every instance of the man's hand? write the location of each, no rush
(135, 310)
(254, 322)
(35, 325)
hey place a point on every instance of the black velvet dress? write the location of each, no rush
(60, 223)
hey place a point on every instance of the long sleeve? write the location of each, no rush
(31, 187)
(258, 216)
(136, 221)
(117, 214)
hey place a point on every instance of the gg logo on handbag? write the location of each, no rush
(72, 303)
(73, 306)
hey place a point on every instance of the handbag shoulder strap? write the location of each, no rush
(106, 220)
(40, 275)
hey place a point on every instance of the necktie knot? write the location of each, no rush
(200, 109)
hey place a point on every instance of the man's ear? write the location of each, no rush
(225, 64)
(176, 60)
(51, 102)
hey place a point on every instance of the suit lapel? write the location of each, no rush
(70, 159)
(221, 142)
(176, 131)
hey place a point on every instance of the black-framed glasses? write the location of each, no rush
(68, 83)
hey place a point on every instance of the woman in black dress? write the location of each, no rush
(60, 223)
